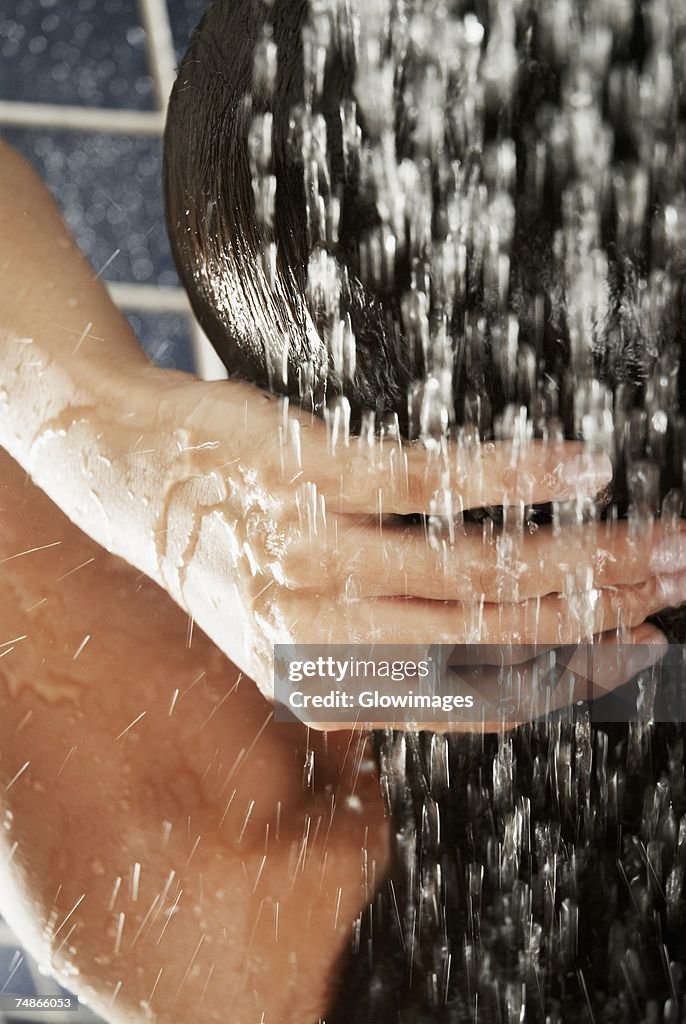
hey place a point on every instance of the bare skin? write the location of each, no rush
(128, 738)
(234, 933)
(205, 792)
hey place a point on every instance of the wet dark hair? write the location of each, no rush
(216, 237)
(587, 849)
(256, 316)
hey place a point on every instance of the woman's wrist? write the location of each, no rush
(58, 419)
(134, 462)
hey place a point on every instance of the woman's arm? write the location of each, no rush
(152, 816)
(68, 359)
(134, 760)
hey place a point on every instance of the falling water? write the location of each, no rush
(500, 186)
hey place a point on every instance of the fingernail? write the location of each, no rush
(588, 472)
(669, 555)
(673, 589)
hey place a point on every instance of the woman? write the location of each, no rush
(215, 872)
(471, 217)
(196, 793)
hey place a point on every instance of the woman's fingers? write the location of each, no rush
(508, 696)
(520, 693)
(552, 620)
(367, 474)
(609, 662)
(495, 654)
(357, 557)
(406, 478)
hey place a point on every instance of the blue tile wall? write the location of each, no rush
(165, 337)
(84, 52)
(93, 53)
(20, 975)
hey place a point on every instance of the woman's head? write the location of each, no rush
(489, 197)
(248, 279)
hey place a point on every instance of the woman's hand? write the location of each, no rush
(266, 536)
(249, 520)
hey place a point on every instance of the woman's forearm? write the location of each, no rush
(66, 358)
(121, 446)
(66, 435)
(48, 285)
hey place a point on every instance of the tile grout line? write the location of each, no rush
(161, 52)
(148, 297)
(208, 365)
(59, 116)
(87, 119)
